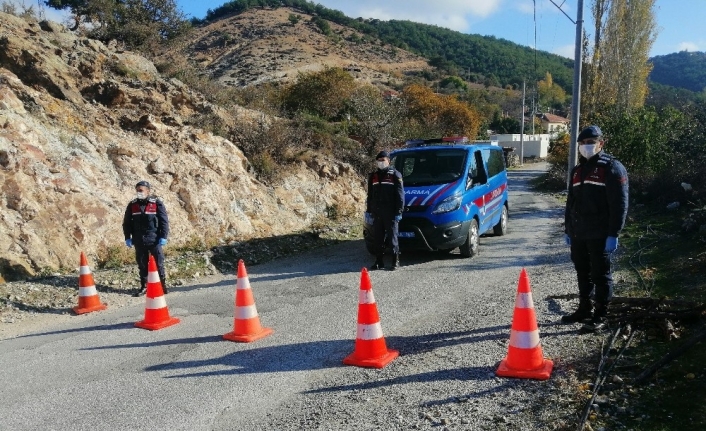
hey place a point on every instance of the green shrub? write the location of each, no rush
(294, 19)
(322, 25)
(114, 256)
(265, 165)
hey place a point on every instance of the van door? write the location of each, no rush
(477, 185)
(497, 185)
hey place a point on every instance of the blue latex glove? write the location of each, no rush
(611, 244)
(567, 239)
(398, 218)
(163, 241)
(128, 242)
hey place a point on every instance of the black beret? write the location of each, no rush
(382, 154)
(589, 132)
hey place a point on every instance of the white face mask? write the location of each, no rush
(589, 151)
(382, 165)
(141, 195)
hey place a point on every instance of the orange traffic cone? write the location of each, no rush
(88, 299)
(524, 357)
(156, 311)
(246, 324)
(370, 348)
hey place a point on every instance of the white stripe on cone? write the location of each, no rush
(369, 332)
(242, 283)
(524, 300)
(153, 277)
(366, 297)
(245, 312)
(84, 270)
(87, 291)
(524, 340)
(156, 303)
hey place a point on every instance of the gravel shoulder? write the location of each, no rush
(445, 376)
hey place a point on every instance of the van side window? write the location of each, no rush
(496, 163)
(408, 166)
(472, 173)
(479, 176)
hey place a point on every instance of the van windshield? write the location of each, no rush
(428, 167)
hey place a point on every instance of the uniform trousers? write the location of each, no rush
(142, 256)
(593, 269)
(385, 228)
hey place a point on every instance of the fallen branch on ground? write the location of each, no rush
(669, 357)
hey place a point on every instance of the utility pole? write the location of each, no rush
(576, 96)
(522, 128)
(532, 116)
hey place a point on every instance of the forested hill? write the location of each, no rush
(680, 69)
(489, 60)
(498, 60)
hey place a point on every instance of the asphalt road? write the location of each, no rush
(448, 316)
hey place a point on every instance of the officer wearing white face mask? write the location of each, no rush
(596, 208)
(146, 227)
(385, 204)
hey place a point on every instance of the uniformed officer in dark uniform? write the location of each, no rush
(146, 227)
(596, 209)
(385, 204)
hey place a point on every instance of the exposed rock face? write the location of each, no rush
(80, 124)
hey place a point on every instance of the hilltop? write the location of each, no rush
(481, 59)
(275, 45)
(690, 68)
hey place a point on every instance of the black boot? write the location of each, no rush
(164, 287)
(395, 262)
(584, 311)
(599, 322)
(141, 292)
(379, 264)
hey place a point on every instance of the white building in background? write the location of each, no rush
(554, 124)
(534, 145)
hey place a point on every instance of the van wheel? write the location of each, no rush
(470, 247)
(500, 229)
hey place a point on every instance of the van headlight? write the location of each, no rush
(452, 203)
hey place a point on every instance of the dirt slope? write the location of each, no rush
(262, 45)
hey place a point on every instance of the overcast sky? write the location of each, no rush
(682, 22)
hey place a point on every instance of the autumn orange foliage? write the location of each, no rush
(440, 115)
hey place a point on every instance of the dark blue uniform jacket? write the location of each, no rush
(385, 193)
(597, 204)
(145, 221)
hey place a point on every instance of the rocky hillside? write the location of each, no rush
(82, 122)
(263, 45)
